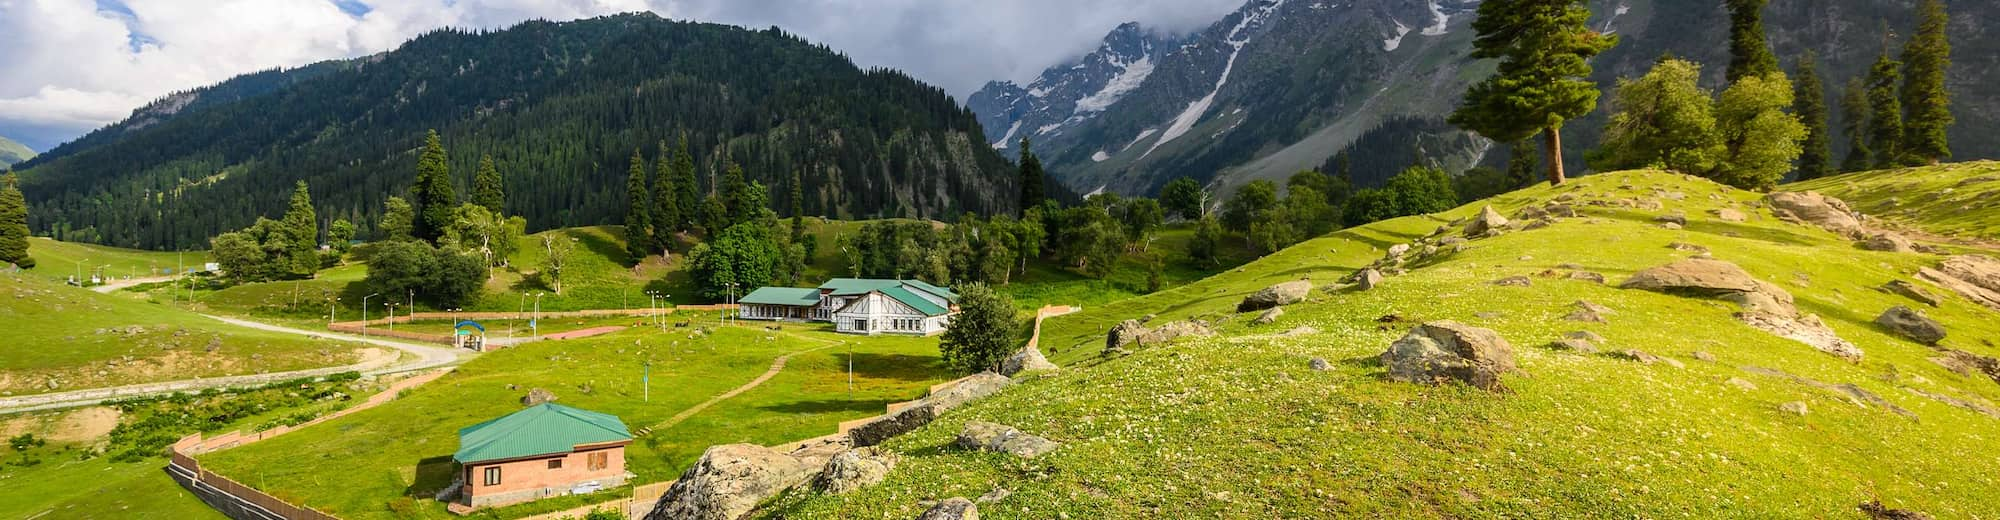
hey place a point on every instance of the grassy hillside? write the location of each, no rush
(1956, 199)
(12, 152)
(81, 339)
(62, 260)
(1237, 425)
(365, 465)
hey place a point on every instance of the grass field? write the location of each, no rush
(383, 462)
(82, 339)
(1955, 199)
(1238, 426)
(63, 260)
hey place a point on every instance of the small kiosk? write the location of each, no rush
(469, 334)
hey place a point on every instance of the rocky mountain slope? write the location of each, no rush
(1070, 93)
(1281, 85)
(1635, 345)
(560, 107)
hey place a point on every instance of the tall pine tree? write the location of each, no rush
(1854, 124)
(638, 218)
(301, 226)
(1885, 113)
(1749, 55)
(687, 189)
(13, 224)
(1544, 48)
(1810, 100)
(488, 189)
(1925, 101)
(798, 208)
(666, 207)
(1032, 190)
(436, 199)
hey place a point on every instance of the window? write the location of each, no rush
(555, 463)
(598, 460)
(493, 476)
(861, 325)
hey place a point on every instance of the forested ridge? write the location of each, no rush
(558, 106)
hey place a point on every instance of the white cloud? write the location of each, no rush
(73, 65)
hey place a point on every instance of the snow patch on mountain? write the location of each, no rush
(1134, 74)
(1621, 10)
(1100, 156)
(1187, 118)
(1002, 143)
(1396, 41)
(1439, 21)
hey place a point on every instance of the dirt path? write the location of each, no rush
(777, 365)
(115, 285)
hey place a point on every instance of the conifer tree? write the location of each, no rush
(666, 207)
(687, 189)
(1810, 101)
(13, 224)
(1543, 47)
(736, 195)
(301, 226)
(1885, 113)
(436, 200)
(1032, 190)
(488, 189)
(638, 219)
(398, 221)
(1749, 55)
(1928, 106)
(798, 209)
(1854, 124)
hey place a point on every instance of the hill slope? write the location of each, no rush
(1238, 425)
(1955, 199)
(560, 107)
(12, 152)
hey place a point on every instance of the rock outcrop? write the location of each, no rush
(537, 396)
(1367, 279)
(1281, 294)
(1487, 220)
(1977, 277)
(1765, 306)
(1442, 351)
(1819, 210)
(855, 469)
(1885, 241)
(1028, 358)
(1699, 276)
(1912, 291)
(728, 482)
(954, 508)
(1131, 332)
(1909, 323)
(1124, 333)
(1268, 316)
(986, 436)
(927, 409)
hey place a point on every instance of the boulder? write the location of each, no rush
(1912, 291)
(1793, 407)
(927, 409)
(1741, 383)
(1124, 333)
(1487, 220)
(1319, 364)
(1729, 215)
(728, 481)
(1281, 294)
(1975, 276)
(1587, 336)
(986, 436)
(1645, 358)
(1173, 330)
(1588, 312)
(1574, 345)
(1675, 219)
(1909, 323)
(1812, 208)
(1398, 250)
(1702, 276)
(1028, 358)
(1889, 242)
(954, 508)
(1367, 279)
(1586, 276)
(1767, 299)
(1439, 351)
(1514, 281)
(1876, 511)
(855, 469)
(1269, 315)
(537, 396)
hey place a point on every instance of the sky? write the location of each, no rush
(70, 66)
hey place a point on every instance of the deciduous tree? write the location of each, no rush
(983, 333)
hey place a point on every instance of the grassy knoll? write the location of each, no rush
(1956, 199)
(97, 488)
(383, 462)
(62, 260)
(82, 339)
(1238, 426)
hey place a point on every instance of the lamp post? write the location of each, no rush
(726, 315)
(535, 323)
(392, 315)
(364, 312)
(331, 305)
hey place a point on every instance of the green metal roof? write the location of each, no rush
(792, 296)
(901, 294)
(940, 291)
(854, 286)
(538, 430)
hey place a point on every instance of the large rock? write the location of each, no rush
(1702, 276)
(1439, 351)
(537, 396)
(1812, 208)
(1909, 323)
(1368, 279)
(1269, 315)
(927, 409)
(1124, 333)
(1912, 291)
(1173, 330)
(954, 508)
(1977, 277)
(728, 482)
(855, 469)
(1885, 241)
(1028, 358)
(986, 436)
(1281, 294)
(1487, 220)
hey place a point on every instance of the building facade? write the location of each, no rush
(858, 305)
(546, 450)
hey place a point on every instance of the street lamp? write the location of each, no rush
(392, 315)
(331, 305)
(726, 317)
(535, 323)
(364, 312)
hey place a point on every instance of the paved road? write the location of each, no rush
(116, 284)
(427, 356)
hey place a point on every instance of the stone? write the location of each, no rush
(1889, 242)
(1588, 312)
(927, 409)
(1281, 294)
(1702, 276)
(1876, 511)
(1968, 363)
(728, 481)
(954, 508)
(1704, 356)
(1767, 299)
(1691, 248)
(1514, 281)
(1487, 220)
(1440, 351)
(1319, 364)
(1587, 336)
(1555, 209)
(1741, 383)
(1574, 345)
(1909, 323)
(1912, 291)
(855, 469)
(1678, 220)
(1645, 358)
(1729, 215)
(1398, 250)
(1586, 276)
(996, 495)
(1269, 315)
(1124, 333)
(1028, 358)
(1367, 279)
(1173, 330)
(1812, 208)
(994, 437)
(537, 396)
(1793, 407)
(1977, 277)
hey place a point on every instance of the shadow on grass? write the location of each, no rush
(865, 406)
(433, 474)
(900, 367)
(602, 246)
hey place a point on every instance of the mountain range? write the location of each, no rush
(1281, 85)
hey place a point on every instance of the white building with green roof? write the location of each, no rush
(858, 305)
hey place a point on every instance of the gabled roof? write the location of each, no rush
(859, 286)
(538, 430)
(940, 291)
(791, 296)
(903, 294)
